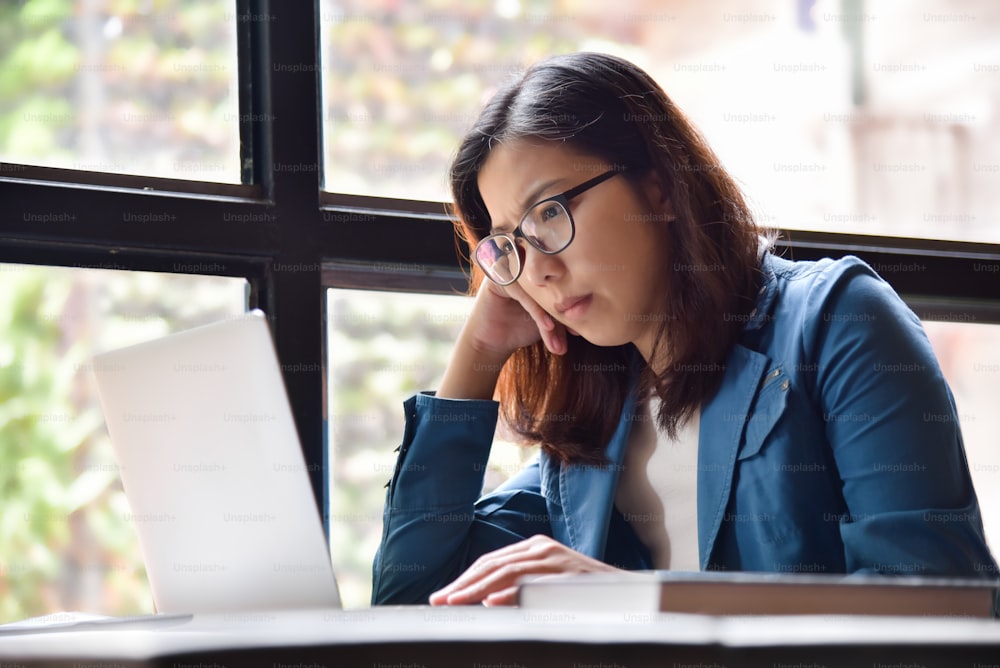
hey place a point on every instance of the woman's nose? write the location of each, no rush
(541, 268)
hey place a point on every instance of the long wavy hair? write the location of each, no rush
(608, 108)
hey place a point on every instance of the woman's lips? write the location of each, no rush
(574, 308)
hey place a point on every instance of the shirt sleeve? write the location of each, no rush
(892, 423)
(435, 524)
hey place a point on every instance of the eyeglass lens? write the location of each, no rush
(546, 226)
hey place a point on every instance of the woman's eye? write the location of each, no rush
(548, 213)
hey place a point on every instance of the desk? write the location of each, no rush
(474, 637)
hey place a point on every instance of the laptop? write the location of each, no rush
(217, 486)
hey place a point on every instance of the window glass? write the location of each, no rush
(870, 118)
(383, 347)
(66, 542)
(969, 355)
(131, 86)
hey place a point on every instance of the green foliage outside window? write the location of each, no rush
(61, 530)
(128, 86)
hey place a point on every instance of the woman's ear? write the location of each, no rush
(656, 194)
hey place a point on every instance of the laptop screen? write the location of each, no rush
(210, 460)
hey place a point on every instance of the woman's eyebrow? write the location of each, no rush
(533, 196)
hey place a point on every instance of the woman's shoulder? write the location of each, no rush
(847, 283)
(842, 297)
(824, 271)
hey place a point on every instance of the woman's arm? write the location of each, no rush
(433, 527)
(893, 426)
(435, 524)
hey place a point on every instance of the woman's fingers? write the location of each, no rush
(553, 333)
(480, 569)
(514, 319)
(504, 597)
(501, 577)
(492, 579)
(502, 568)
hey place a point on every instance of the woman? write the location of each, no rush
(700, 403)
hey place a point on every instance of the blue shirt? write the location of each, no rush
(831, 446)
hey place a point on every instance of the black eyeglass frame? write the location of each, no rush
(563, 200)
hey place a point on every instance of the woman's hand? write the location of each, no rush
(492, 579)
(505, 318)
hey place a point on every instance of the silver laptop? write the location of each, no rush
(218, 490)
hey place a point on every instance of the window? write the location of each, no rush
(289, 209)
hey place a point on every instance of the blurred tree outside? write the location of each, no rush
(862, 117)
(144, 87)
(56, 483)
(403, 82)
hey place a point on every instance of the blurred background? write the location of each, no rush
(837, 115)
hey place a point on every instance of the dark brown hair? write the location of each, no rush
(608, 108)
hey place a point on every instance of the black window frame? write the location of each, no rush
(304, 240)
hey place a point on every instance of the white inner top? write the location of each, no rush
(658, 489)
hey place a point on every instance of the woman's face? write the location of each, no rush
(607, 285)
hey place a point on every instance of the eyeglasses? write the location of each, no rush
(547, 226)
